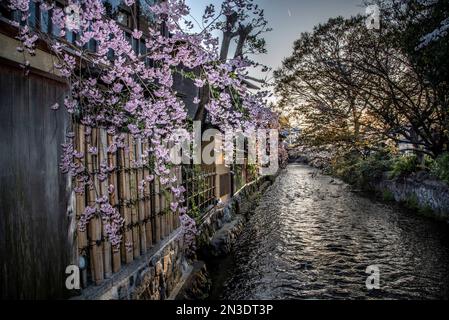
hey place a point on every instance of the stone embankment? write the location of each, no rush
(418, 191)
(218, 231)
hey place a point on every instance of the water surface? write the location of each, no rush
(311, 237)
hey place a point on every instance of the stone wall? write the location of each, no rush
(421, 192)
(150, 277)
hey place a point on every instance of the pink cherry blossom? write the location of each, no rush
(114, 88)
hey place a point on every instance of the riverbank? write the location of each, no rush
(418, 191)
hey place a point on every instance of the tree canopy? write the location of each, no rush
(360, 88)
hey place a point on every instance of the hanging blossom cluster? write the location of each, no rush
(189, 232)
(117, 89)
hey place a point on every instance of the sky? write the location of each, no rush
(288, 19)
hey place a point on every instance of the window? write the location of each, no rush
(55, 28)
(117, 10)
(15, 15)
(44, 21)
(11, 15)
(110, 54)
(5, 11)
(124, 18)
(142, 47)
(135, 45)
(145, 9)
(128, 37)
(112, 7)
(32, 18)
(92, 45)
(143, 51)
(70, 36)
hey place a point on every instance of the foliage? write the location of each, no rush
(440, 167)
(387, 195)
(194, 211)
(332, 107)
(355, 87)
(361, 171)
(252, 170)
(404, 165)
(412, 202)
(238, 171)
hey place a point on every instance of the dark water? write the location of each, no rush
(312, 238)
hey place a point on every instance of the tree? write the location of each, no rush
(121, 89)
(420, 32)
(352, 83)
(239, 20)
(322, 82)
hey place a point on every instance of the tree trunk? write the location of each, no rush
(227, 37)
(243, 32)
(204, 99)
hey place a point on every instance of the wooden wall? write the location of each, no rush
(34, 219)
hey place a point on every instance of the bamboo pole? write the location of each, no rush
(134, 196)
(96, 245)
(127, 253)
(157, 211)
(170, 213)
(80, 201)
(141, 199)
(113, 200)
(179, 175)
(148, 215)
(103, 159)
(163, 215)
(147, 195)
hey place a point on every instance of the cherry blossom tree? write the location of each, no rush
(116, 88)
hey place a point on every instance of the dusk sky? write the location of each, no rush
(289, 18)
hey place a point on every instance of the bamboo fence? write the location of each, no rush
(145, 210)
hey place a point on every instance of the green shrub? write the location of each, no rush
(361, 171)
(426, 211)
(374, 166)
(412, 202)
(387, 195)
(440, 167)
(428, 162)
(404, 165)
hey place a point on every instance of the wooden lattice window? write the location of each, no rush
(199, 181)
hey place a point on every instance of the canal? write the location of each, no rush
(311, 237)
